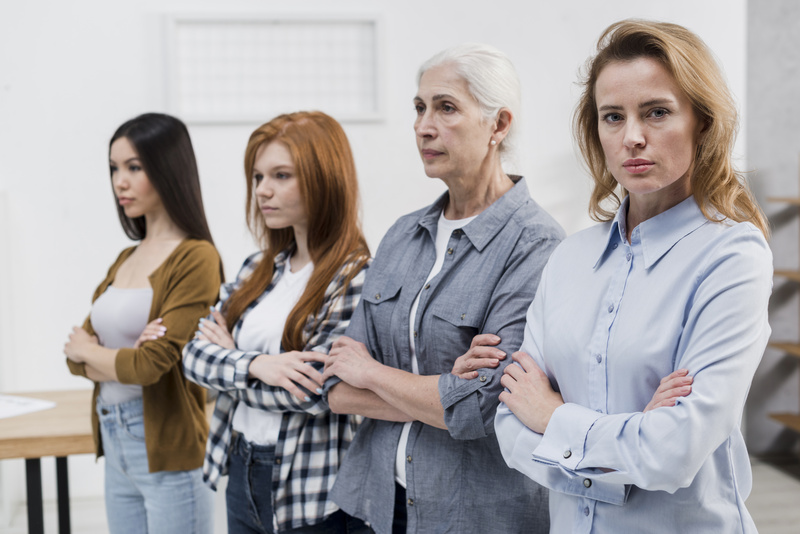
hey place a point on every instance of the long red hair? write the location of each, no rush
(326, 172)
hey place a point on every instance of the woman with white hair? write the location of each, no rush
(426, 458)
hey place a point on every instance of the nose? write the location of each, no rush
(119, 181)
(424, 126)
(634, 134)
(264, 188)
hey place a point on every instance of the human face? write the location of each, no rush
(132, 187)
(452, 135)
(648, 130)
(278, 189)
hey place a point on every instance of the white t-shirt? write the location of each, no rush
(444, 229)
(262, 330)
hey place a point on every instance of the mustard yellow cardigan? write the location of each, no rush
(175, 426)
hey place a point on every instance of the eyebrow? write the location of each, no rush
(126, 161)
(653, 102)
(436, 98)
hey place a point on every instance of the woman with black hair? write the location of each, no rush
(148, 420)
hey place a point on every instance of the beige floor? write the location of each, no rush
(774, 504)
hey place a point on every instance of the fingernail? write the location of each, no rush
(319, 390)
(308, 399)
(211, 308)
(163, 328)
(153, 337)
(158, 320)
(202, 320)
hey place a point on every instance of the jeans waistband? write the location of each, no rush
(120, 412)
(252, 452)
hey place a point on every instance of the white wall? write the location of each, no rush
(71, 72)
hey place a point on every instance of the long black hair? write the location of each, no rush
(165, 151)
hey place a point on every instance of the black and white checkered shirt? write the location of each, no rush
(312, 440)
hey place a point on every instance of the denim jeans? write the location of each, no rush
(140, 502)
(249, 495)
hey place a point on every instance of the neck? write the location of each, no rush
(160, 227)
(470, 195)
(301, 256)
(641, 208)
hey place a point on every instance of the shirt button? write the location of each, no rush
(614, 246)
(415, 333)
(408, 458)
(610, 308)
(457, 232)
(277, 461)
(567, 453)
(483, 378)
(586, 511)
(628, 256)
(410, 502)
(104, 411)
(587, 483)
(377, 296)
(450, 251)
(427, 286)
(598, 358)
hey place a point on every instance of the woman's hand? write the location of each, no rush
(290, 370)
(350, 361)
(481, 355)
(673, 386)
(529, 394)
(79, 341)
(153, 330)
(216, 331)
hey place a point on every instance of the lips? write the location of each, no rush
(429, 154)
(637, 166)
(124, 201)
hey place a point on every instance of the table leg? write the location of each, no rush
(33, 473)
(62, 483)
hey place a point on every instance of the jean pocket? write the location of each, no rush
(134, 428)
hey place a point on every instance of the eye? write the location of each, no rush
(113, 169)
(257, 177)
(448, 108)
(134, 168)
(612, 117)
(659, 113)
(420, 109)
(282, 175)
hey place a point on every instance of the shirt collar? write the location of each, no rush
(481, 230)
(657, 234)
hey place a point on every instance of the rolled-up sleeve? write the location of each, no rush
(470, 405)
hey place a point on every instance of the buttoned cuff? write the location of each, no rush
(463, 413)
(564, 440)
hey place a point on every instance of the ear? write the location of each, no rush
(502, 124)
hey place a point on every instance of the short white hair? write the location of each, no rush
(491, 78)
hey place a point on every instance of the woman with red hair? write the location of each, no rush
(263, 345)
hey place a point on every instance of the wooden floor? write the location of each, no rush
(774, 504)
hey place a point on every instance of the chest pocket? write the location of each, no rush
(380, 297)
(451, 331)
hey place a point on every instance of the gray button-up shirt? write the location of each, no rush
(457, 480)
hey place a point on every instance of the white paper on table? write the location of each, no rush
(11, 405)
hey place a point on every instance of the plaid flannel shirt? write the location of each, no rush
(312, 440)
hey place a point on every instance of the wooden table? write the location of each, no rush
(60, 431)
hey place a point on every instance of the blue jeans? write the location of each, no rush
(140, 502)
(249, 495)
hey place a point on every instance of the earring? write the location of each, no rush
(493, 142)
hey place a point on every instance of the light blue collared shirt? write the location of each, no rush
(609, 320)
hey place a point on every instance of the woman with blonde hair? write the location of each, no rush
(674, 283)
(264, 343)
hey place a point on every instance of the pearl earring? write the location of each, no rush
(494, 142)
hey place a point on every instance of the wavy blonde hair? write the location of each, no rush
(719, 189)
